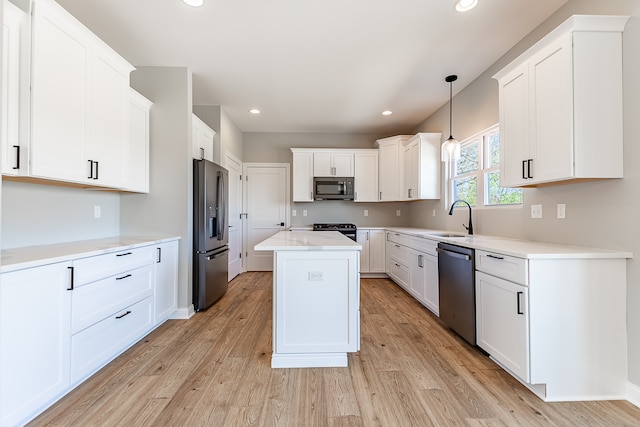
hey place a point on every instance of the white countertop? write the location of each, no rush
(33, 256)
(514, 247)
(308, 241)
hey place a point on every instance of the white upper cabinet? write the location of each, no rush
(366, 176)
(79, 102)
(421, 167)
(138, 162)
(333, 163)
(202, 139)
(302, 175)
(390, 167)
(561, 105)
(14, 152)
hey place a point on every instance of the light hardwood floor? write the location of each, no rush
(214, 370)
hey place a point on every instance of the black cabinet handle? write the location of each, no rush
(90, 169)
(17, 166)
(524, 167)
(529, 168)
(420, 261)
(71, 282)
(518, 295)
(97, 164)
(123, 277)
(122, 315)
(494, 256)
(159, 256)
(124, 254)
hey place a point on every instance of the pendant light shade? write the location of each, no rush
(451, 147)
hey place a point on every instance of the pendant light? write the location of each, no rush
(451, 147)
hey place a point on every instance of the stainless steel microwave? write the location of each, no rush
(333, 188)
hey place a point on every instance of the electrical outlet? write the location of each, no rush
(397, 212)
(561, 210)
(366, 212)
(294, 213)
(316, 275)
(304, 212)
(433, 212)
(97, 211)
(536, 211)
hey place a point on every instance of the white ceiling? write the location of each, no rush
(317, 66)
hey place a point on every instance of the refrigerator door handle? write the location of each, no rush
(217, 254)
(222, 208)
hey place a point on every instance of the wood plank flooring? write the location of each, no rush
(214, 370)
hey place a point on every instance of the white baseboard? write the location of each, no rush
(633, 394)
(183, 313)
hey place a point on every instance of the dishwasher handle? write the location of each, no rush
(453, 254)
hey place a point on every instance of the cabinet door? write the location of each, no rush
(58, 97)
(410, 171)
(303, 177)
(366, 177)
(363, 237)
(514, 127)
(431, 297)
(502, 322)
(323, 164)
(202, 139)
(13, 153)
(376, 251)
(35, 310)
(389, 171)
(343, 163)
(106, 139)
(551, 106)
(166, 283)
(138, 164)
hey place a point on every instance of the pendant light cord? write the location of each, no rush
(450, 109)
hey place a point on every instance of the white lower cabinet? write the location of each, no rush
(59, 323)
(502, 322)
(412, 263)
(35, 334)
(372, 255)
(166, 283)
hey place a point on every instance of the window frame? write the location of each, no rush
(484, 168)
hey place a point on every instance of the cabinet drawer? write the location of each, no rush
(97, 345)
(503, 266)
(423, 245)
(87, 270)
(94, 302)
(402, 239)
(398, 252)
(399, 273)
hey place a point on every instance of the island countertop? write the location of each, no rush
(308, 241)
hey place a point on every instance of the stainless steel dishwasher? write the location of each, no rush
(456, 278)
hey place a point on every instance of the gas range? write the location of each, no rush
(348, 230)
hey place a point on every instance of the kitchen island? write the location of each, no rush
(316, 298)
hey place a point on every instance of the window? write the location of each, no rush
(475, 177)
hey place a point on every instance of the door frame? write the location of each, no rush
(245, 204)
(230, 157)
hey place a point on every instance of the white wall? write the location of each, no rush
(599, 214)
(166, 210)
(34, 214)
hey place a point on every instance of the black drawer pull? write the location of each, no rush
(122, 315)
(518, 294)
(71, 270)
(123, 277)
(17, 166)
(494, 256)
(124, 254)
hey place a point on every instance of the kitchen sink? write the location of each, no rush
(447, 234)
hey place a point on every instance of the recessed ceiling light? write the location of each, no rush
(254, 111)
(387, 112)
(466, 5)
(194, 3)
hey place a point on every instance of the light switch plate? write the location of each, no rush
(561, 210)
(294, 213)
(536, 211)
(366, 212)
(398, 212)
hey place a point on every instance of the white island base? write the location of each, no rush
(316, 298)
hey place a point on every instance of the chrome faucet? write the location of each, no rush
(470, 227)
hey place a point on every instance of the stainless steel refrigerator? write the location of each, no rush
(210, 236)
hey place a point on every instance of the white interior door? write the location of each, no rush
(234, 166)
(266, 189)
